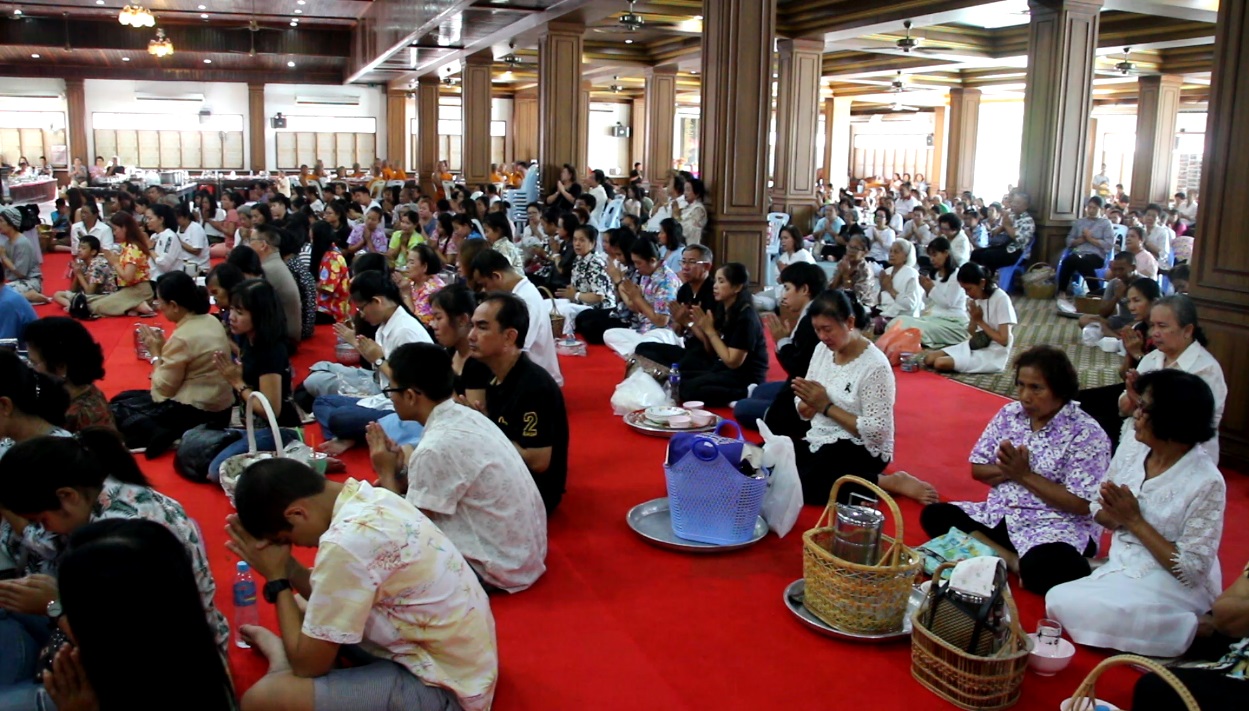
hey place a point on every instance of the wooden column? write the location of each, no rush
(736, 108)
(936, 171)
(827, 164)
(1157, 106)
(661, 109)
(560, 108)
(526, 125)
(797, 121)
(583, 128)
(427, 134)
(838, 175)
(1058, 98)
(76, 103)
(637, 140)
(960, 164)
(397, 128)
(1220, 284)
(256, 122)
(476, 145)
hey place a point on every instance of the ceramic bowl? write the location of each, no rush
(680, 422)
(661, 413)
(346, 354)
(693, 405)
(1082, 705)
(701, 418)
(1048, 660)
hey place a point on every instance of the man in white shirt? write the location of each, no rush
(674, 192)
(907, 201)
(1158, 237)
(1187, 207)
(492, 271)
(916, 229)
(90, 225)
(464, 474)
(193, 239)
(595, 181)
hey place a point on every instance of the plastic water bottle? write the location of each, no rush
(245, 610)
(672, 388)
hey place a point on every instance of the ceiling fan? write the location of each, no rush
(511, 59)
(898, 107)
(910, 44)
(1126, 66)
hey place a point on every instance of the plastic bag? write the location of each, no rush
(355, 382)
(897, 340)
(636, 392)
(783, 502)
(1091, 335)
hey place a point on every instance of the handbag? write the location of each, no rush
(952, 546)
(232, 468)
(979, 341)
(200, 445)
(972, 623)
(79, 308)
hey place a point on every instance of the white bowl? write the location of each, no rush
(661, 413)
(679, 422)
(693, 405)
(1098, 704)
(701, 418)
(1048, 660)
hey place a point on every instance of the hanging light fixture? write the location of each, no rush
(161, 46)
(136, 16)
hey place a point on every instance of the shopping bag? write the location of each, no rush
(897, 340)
(637, 392)
(783, 502)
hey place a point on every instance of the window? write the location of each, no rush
(30, 134)
(143, 140)
(336, 140)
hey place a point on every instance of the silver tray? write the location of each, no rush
(653, 521)
(793, 601)
(637, 420)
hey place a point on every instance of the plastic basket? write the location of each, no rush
(710, 500)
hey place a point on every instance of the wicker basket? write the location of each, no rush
(557, 318)
(1086, 689)
(853, 597)
(968, 681)
(1039, 289)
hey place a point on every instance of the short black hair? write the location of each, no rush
(801, 274)
(455, 300)
(179, 288)
(422, 366)
(265, 490)
(1183, 406)
(646, 248)
(429, 257)
(258, 298)
(91, 241)
(1096, 200)
(513, 313)
(227, 276)
(951, 220)
(1056, 368)
(369, 262)
(491, 261)
(246, 259)
(588, 198)
(65, 342)
(841, 306)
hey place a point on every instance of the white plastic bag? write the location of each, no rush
(636, 392)
(1091, 335)
(783, 501)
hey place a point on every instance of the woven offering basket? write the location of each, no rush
(853, 597)
(1087, 687)
(1042, 290)
(557, 319)
(968, 681)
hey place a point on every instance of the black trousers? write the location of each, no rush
(1086, 264)
(994, 257)
(1213, 690)
(836, 251)
(818, 470)
(592, 324)
(1040, 569)
(665, 354)
(1102, 404)
(703, 377)
(167, 421)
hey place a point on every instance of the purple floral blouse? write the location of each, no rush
(1072, 450)
(659, 289)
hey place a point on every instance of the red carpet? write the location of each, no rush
(619, 624)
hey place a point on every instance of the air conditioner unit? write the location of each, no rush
(328, 100)
(33, 95)
(149, 96)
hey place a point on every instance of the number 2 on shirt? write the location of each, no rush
(531, 425)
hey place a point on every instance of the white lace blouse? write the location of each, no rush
(1185, 504)
(863, 387)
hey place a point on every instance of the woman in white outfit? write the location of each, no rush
(991, 327)
(792, 252)
(1164, 500)
(880, 236)
(900, 292)
(944, 319)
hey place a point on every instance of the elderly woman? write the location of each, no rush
(648, 301)
(1180, 344)
(900, 291)
(1044, 459)
(1164, 501)
(848, 396)
(855, 274)
(943, 321)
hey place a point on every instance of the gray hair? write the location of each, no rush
(703, 250)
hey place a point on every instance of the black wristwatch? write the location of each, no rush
(273, 588)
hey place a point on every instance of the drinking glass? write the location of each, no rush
(1049, 632)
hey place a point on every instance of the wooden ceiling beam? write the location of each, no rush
(265, 76)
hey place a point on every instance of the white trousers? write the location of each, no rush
(625, 340)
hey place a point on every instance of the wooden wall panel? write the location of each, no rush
(561, 105)
(1158, 106)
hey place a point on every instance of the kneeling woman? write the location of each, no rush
(991, 327)
(848, 395)
(1044, 459)
(1164, 501)
(731, 351)
(944, 319)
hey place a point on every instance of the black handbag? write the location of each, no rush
(979, 341)
(200, 445)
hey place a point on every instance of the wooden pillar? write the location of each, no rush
(526, 125)
(76, 103)
(397, 128)
(560, 108)
(736, 108)
(661, 109)
(936, 168)
(427, 134)
(797, 120)
(476, 93)
(1220, 284)
(828, 144)
(256, 122)
(583, 129)
(637, 140)
(1157, 106)
(1058, 98)
(960, 165)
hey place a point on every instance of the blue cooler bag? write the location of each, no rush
(710, 499)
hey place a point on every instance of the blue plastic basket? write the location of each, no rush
(709, 499)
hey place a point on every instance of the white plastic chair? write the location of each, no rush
(610, 217)
(447, 188)
(776, 220)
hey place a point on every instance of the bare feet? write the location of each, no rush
(268, 644)
(908, 485)
(333, 465)
(336, 447)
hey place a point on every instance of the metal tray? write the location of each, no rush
(653, 521)
(637, 420)
(793, 601)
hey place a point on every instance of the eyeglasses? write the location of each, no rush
(692, 262)
(387, 391)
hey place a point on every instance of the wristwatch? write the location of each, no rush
(378, 363)
(273, 588)
(54, 609)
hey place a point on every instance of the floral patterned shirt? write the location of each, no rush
(659, 289)
(334, 286)
(388, 579)
(1071, 450)
(378, 241)
(509, 249)
(421, 296)
(866, 287)
(130, 254)
(90, 409)
(100, 274)
(307, 295)
(589, 275)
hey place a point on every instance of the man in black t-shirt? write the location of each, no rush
(522, 399)
(697, 289)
